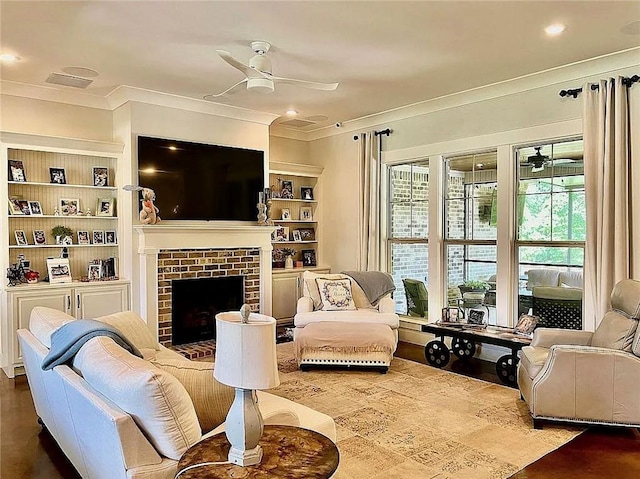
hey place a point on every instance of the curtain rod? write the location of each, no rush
(594, 86)
(386, 132)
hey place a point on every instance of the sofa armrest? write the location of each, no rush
(305, 305)
(387, 305)
(547, 337)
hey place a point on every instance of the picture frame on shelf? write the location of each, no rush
(21, 238)
(16, 171)
(296, 235)
(105, 207)
(281, 233)
(14, 207)
(286, 214)
(450, 314)
(307, 234)
(35, 208)
(100, 176)
(110, 237)
(83, 237)
(309, 257)
(69, 206)
(287, 190)
(94, 272)
(98, 237)
(57, 175)
(306, 193)
(59, 270)
(39, 237)
(306, 213)
(24, 207)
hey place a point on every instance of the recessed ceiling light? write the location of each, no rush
(8, 58)
(291, 112)
(555, 29)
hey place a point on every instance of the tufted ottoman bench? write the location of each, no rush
(333, 343)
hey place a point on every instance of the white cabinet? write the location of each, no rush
(80, 300)
(287, 289)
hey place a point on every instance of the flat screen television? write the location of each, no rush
(195, 181)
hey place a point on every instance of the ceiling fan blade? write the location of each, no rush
(247, 70)
(216, 95)
(307, 84)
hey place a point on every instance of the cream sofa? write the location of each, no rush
(84, 406)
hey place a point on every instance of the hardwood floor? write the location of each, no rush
(28, 452)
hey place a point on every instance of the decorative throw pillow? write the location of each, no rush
(335, 294)
(311, 287)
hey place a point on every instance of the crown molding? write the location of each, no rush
(46, 93)
(54, 142)
(578, 73)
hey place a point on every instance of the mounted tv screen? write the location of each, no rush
(194, 181)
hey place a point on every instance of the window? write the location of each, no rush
(408, 225)
(470, 223)
(551, 229)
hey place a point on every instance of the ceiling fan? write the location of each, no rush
(258, 76)
(538, 162)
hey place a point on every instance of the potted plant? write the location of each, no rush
(473, 286)
(288, 254)
(62, 234)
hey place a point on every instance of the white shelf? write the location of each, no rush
(35, 246)
(295, 200)
(71, 217)
(294, 221)
(64, 185)
(293, 242)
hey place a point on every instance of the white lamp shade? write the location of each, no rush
(246, 352)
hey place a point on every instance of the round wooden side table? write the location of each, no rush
(288, 453)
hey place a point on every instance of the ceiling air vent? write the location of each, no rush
(295, 123)
(68, 80)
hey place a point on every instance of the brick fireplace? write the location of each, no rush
(176, 251)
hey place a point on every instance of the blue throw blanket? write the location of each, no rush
(67, 340)
(375, 284)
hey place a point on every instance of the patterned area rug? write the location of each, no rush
(420, 422)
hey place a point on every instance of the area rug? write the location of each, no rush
(420, 422)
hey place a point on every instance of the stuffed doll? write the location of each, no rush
(149, 211)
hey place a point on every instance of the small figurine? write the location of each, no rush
(56, 212)
(88, 213)
(149, 211)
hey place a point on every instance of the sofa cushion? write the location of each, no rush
(355, 316)
(571, 279)
(211, 399)
(44, 321)
(156, 400)
(532, 359)
(542, 277)
(335, 294)
(133, 328)
(310, 287)
(554, 292)
(615, 331)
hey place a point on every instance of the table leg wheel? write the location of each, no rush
(506, 369)
(437, 353)
(463, 348)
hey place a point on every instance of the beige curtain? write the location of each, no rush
(369, 218)
(606, 170)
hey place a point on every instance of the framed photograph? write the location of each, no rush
(286, 214)
(57, 175)
(83, 237)
(526, 324)
(280, 234)
(287, 190)
(16, 171)
(450, 315)
(14, 207)
(59, 270)
(476, 317)
(98, 237)
(39, 237)
(307, 234)
(69, 206)
(306, 193)
(24, 207)
(306, 213)
(105, 207)
(110, 237)
(100, 176)
(296, 235)
(95, 271)
(21, 238)
(308, 257)
(35, 208)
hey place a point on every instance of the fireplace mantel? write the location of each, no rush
(169, 236)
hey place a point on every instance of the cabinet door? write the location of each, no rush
(92, 302)
(23, 303)
(285, 295)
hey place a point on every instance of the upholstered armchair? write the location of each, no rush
(585, 377)
(417, 297)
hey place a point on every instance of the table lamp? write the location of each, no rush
(246, 360)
